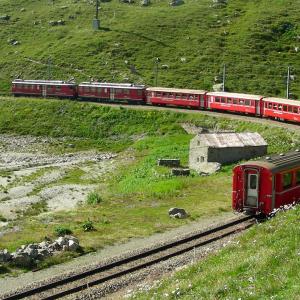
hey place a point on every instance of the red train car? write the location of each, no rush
(235, 102)
(283, 109)
(44, 88)
(176, 97)
(115, 92)
(262, 185)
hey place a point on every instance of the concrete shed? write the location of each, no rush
(225, 148)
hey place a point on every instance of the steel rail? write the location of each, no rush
(136, 257)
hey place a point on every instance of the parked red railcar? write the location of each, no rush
(235, 102)
(262, 185)
(176, 97)
(283, 109)
(44, 88)
(115, 92)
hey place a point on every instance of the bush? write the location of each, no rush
(93, 198)
(2, 219)
(60, 231)
(88, 226)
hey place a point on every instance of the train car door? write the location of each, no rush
(251, 188)
(44, 90)
(112, 94)
(257, 107)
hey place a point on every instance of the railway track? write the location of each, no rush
(82, 281)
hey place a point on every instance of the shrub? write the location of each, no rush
(88, 226)
(93, 198)
(2, 219)
(60, 231)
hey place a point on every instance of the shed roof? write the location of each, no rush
(229, 140)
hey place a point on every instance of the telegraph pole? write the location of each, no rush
(157, 60)
(224, 77)
(96, 21)
(288, 83)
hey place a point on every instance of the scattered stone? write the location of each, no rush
(5, 256)
(145, 2)
(208, 168)
(176, 2)
(183, 59)
(5, 17)
(57, 23)
(218, 87)
(180, 171)
(178, 213)
(165, 66)
(21, 259)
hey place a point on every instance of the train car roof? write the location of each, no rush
(277, 163)
(174, 90)
(235, 95)
(282, 101)
(54, 82)
(113, 85)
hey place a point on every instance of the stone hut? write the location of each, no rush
(225, 148)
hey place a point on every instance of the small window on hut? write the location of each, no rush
(287, 180)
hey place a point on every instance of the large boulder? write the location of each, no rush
(21, 259)
(5, 256)
(178, 213)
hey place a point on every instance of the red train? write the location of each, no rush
(256, 105)
(263, 185)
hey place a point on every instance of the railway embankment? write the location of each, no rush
(76, 164)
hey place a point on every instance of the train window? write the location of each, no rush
(32, 87)
(49, 88)
(241, 102)
(270, 105)
(139, 92)
(298, 176)
(287, 180)
(223, 100)
(290, 108)
(247, 102)
(235, 101)
(295, 109)
(284, 108)
(105, 90)
(158, 94)
(275, 106)
(58, 87)
(93, 89)
(184, 96)
(229, 100)
(217, 99)
(253, 181)
(171, 95)
(99, 90)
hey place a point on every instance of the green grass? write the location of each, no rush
(137, 196)
(262, 264)
(255, 39)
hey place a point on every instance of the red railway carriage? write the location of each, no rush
(44, 88)
(176, 97)
(283, 109)
(262, 185)
(235, 102)
(112, 91)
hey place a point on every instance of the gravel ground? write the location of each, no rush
(109, 254)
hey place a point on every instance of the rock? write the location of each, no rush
(176, 2)
(62, 241)
(145, 2)
(43, 253)
(44, 244)
(208, 168)
(72, 238)
(5, 17)
(178, 213)
(31, 252)
(73, 246)
(54, 247)
(65, 248)
(21, 259)
(218, 87)
(5, 256)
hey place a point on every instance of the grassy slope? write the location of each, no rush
(145, 190)
(256, 40)
(263, 264)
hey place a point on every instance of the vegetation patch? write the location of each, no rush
(93, 198)
(241, 270)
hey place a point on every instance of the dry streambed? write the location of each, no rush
(30, 173)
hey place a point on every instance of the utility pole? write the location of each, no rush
(288, 83)
(157, 60)
(224, 77)
(96, 21)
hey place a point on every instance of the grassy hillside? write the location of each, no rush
(257, 40)
(262, 264)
